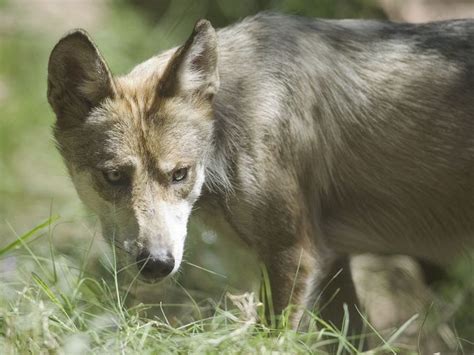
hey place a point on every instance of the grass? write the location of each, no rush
(52, 304)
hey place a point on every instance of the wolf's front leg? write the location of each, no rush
(304, 280)
(292, 273)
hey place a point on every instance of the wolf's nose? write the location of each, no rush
(152, 267)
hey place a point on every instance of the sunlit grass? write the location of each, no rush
(50, 303)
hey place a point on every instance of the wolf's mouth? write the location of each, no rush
(150, 281)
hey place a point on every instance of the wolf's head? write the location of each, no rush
(136, 146)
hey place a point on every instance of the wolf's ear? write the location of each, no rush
(193, 68)
(78, 78)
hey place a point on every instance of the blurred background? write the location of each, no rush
(33, 181)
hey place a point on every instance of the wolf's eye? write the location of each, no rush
(115, 177)
(180, 174)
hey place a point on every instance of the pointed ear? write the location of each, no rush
(193, 68)
(78, 78)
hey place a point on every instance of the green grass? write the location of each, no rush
(52, 304)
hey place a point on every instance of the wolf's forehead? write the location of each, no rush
(126, 135)
(129, 130)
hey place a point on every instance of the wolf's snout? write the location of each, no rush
(154, 268)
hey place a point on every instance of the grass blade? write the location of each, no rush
(22, 239)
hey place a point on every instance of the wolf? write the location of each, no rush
(311, 140)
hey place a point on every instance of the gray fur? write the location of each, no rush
(377, 117)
